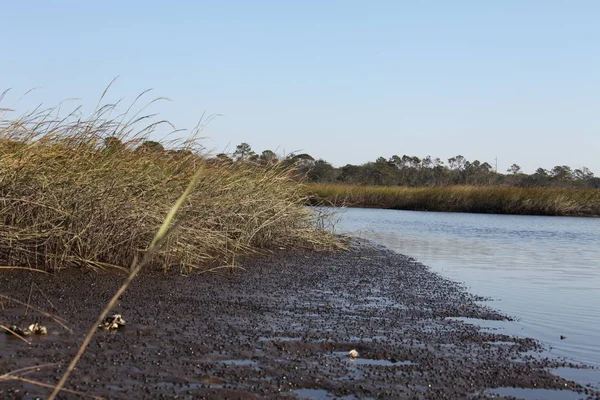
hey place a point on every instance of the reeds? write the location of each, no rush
(473, 199)
(86, 192)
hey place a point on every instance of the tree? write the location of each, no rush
(113, 143)
(594, 182)
(151, 146)
(268, 157)
(426, 162)
(540, 178)
(223, 157)
(562, 172)
(303, 160)
(350, 174)
(321, 171)
(397, 161)
(514, 169)
(477, 173)
(243, 152)
(457, 162)
(583, 174)
(541, 172)
(380, 172)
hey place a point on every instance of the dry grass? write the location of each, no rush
(68, 200)
(476, 199)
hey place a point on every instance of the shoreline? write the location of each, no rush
(502, 200)
(280, 328)
(372, 207)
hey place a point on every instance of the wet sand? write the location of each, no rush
(281, 328)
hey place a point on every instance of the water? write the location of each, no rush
(319, 394)
(370, 361)
(543, 271)
(536, 394)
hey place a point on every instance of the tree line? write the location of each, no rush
(416, 171)
(399, 170)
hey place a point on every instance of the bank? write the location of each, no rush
(280, 328)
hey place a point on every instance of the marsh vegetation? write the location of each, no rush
(93, 191)
(475, 199)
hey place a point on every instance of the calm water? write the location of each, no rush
(543, 271)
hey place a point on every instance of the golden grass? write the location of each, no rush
(475, 199)
(67, 200)
(82, 192)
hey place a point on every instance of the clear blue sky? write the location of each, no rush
(346, 81)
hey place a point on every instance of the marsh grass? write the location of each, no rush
(473, 199)
(84, 192)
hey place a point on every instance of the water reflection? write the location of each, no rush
(545, 271)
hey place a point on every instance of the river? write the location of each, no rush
(542, 271)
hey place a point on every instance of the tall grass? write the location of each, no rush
(69, 200)
(473, 199)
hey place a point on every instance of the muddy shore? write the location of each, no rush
(280, 328)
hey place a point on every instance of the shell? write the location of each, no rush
(113, 322)
(353, 353)
(17, 330)
(37, 329)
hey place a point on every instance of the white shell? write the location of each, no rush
(113, 322)
(37, 329)
(353, 353)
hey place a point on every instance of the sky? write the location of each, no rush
(346, 81)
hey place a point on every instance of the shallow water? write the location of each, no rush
(370, 361)
(319, 394)
(543, 271)
(536, 394)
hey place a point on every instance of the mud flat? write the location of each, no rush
(281, 328)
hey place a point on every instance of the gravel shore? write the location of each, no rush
(280, 328)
